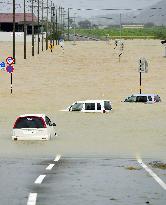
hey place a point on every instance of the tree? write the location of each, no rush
(84, 24)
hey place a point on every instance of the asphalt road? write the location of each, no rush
(79, 181)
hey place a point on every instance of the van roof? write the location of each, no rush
(91, 101)
(144, 94)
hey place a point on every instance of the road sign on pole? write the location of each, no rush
(10, 69)
(143, 68)
(10, 60)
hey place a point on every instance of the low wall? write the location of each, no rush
(8, 36)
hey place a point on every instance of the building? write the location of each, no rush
(136, 26)
(6, 22)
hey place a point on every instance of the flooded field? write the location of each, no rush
(50, 82)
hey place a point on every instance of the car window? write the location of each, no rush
(107, 105)
(77, 107)
(29, 122)
(141, 99)
(150, 98)
(89, 106)
(48, 121)
(98, 106)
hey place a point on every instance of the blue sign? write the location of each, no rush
(2, 65)
(10, 69)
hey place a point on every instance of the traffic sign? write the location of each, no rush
(10, 60)
(143, 65)
(10, 69)
(2, 64)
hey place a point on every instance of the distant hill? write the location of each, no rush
(156, 16)
(148, 15)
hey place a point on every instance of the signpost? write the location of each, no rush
(143, 68)
(10, 68)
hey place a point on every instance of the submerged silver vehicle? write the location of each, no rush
(143, 98)
(91, 106)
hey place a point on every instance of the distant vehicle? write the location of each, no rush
(143, 98)
(163, 42)
(33, 127)
(91, 106)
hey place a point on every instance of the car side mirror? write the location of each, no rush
(53, 124)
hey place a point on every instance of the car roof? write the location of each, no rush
(33, 115)
(144, 94)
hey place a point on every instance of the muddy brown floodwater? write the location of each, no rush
(50, 82)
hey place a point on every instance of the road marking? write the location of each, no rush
(158, 180)
(50, 166)
(32, 199)
(57, 158)
(39, 179)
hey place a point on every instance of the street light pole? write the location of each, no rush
(47, 29)
(14, 29)
(38, 29)
(25, 28)
(32, 31)
(42, 25)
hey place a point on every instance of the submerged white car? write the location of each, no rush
(33, 127)
(143, 98)
(91, 106)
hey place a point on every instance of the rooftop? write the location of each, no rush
(19, 17)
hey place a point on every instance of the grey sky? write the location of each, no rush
(92, 4)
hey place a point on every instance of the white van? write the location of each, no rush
(33, 127)
(143, 98)
(91, 106)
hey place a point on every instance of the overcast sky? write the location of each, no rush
(92, 4)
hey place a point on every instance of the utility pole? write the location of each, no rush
(56, 27)
(53, 18)
(25, 31)
(47, 29)
(32, 31)
(14, 29)
(38, 29)
(68, 24)
(51, 26)
(120, 26)
(42, 25)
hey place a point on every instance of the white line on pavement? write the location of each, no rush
(57, 158)
(32, 199)
(50, 166)
(39, 179)
(158, 180)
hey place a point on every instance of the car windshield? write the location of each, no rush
(29, 122)
(131, 99)
(77, 107)
(107, 105)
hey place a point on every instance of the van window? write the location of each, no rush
(98, 106)
(29, 122)
(141, 99)
(107, 105)
(150, 98)
(77, 107)
(131, 99)
(89, 106)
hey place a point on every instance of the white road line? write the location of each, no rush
(32, 199)
(57, 158)
(158, 180)
(39, 179)
(50, 166)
